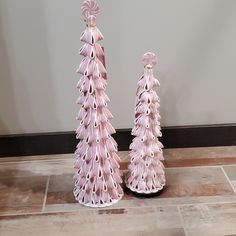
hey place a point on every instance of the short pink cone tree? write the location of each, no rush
(146, 172)
(97, 177)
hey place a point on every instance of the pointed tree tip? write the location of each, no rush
(90, 8)
(149, 59)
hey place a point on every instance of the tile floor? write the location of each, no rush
(199, 199)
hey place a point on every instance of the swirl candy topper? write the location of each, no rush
(90, 10)
(149, 60)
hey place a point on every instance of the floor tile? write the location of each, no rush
(60, 189)
(135, 202)
(127, 222)
(200, 162)
(210, 220)
(204, 181)
(187, 157)
(22, 195)
(184, 186)
(201, 152)
(202, 156)
(36, 158)
(36, 168)
(178, 157)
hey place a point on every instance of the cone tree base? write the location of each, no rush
(101, 205)
(147, 194)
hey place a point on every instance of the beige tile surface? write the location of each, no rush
(204, 181)
(187, 186)
(36, 168)
(187, 157)
(36, 158)
(128, 222)
(143, 202)
(184, 185)
(210, 220)
(199, 152)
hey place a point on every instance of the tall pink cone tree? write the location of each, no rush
(146, 173)
(97, 177)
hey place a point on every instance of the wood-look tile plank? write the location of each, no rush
(200, 162)
(36, 158)
(22, 195)
(177, 157)
(36, 168)
(187, 157)
(184, 186)
(136, 202)
(128, 222)
(198, 152)
(204, 181)
(213, 219)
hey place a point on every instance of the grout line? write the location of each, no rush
(182, 220)
(45, 195)
(227, 177)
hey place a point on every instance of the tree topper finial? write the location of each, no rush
(149, 60)
(89, 9)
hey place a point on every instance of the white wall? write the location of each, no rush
(194, 40)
